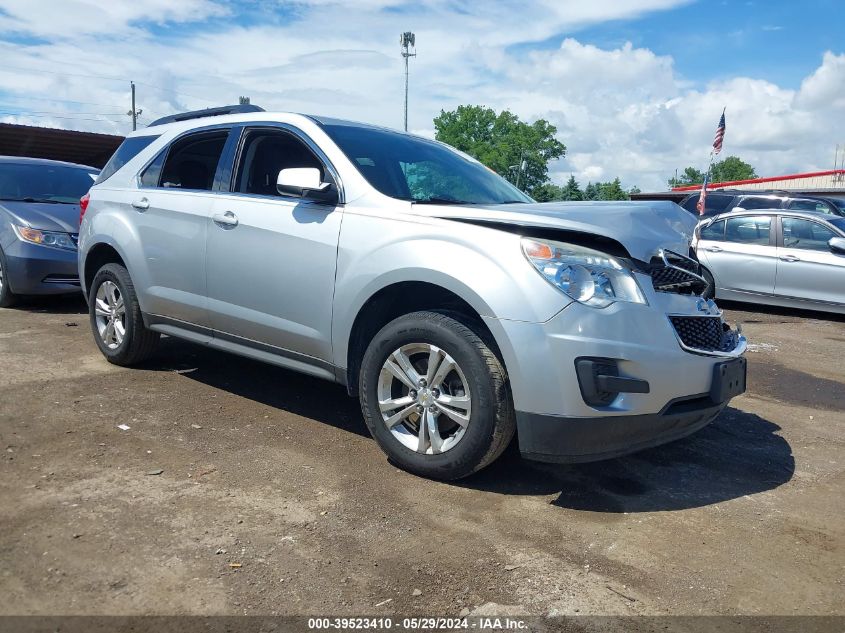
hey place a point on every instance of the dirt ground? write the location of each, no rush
(271, 498)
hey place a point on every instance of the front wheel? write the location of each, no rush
(435, 396)
(116, 319)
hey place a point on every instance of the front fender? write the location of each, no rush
(483, 266)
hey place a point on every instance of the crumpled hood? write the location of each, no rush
(642, 227)
(47, 217)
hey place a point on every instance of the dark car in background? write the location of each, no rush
(727, 200)
(39, 224)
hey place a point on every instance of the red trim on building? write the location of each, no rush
(734, 183)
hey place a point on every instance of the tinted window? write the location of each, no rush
(748, 229)
(805, 234)
(410, 168)
(839, 223)
(192, 161)
(44, 182)
(759, 203)
(818, 206)
(264, 154)
(128, 150)
(715, 231)
(714, 204)
(152, 174)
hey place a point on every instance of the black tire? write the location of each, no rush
(138, 343)
(492, 420)
(7, 297)
(710, 292)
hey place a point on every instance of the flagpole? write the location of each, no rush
(702, 197)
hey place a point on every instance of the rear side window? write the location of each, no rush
(715, 231)
(749, 229)
(759, 203)
(715, 203)
(191, 161)
(128, 150)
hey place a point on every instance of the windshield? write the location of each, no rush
(33, 182)
(410, 168)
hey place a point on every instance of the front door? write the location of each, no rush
(271, 258)
(807, 269)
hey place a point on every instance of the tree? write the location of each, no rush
(571, 191)
(547, 192)
(591, 192)
(731, 168)
(501, 141)
(611, 190)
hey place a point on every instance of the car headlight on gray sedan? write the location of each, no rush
(45, 238)
(587, 276)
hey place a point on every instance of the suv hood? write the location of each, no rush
(643, 228)
(44, 216)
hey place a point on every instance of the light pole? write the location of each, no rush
(407, 42)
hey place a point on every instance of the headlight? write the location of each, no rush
(588, 276)
(45, 238)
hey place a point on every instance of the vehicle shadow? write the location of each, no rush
(738, 454)
(52, 304)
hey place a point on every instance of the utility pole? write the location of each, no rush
(407, 41)
(133, 112)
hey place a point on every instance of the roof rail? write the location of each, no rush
(199, 114)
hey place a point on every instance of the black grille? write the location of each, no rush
(676, 273)
(705, 333)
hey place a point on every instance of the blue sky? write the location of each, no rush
(635, 87)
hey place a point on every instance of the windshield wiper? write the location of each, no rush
(30, 199)
(440, 201)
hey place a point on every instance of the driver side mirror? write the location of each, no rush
(837, 245)
(305, 182)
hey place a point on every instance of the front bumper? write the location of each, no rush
(555, 423)
(41, 270)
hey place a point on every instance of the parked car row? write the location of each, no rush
(727, 200)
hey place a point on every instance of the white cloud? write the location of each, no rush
(624, 111)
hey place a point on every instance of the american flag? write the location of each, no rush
(720, 135)
(702, 197)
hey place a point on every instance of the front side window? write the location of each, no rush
(266, 152)
(805, 234)
(819, 206)
(191, 162)
(128, 150)
(715, 231)
(33, 182)
(748, 229)
(410, 168)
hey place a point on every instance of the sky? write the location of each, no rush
(634, 87)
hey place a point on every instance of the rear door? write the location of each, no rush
(741, 254)
(172, 208)
(807, 269)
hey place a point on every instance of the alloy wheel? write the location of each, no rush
(110, 313)
(424, 398)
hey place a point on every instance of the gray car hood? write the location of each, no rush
(48, 217)
(642, 228)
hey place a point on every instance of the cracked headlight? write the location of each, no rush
(587, 276)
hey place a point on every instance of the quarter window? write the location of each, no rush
(748, 229)
(128, 150)
(805, 234)
(191, 161)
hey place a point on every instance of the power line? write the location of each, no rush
(65, 112)
(28, 98)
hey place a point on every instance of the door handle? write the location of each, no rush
(789, 258)
(142, 205)
(227, 220)
(713, 249)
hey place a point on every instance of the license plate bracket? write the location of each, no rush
(728, 379)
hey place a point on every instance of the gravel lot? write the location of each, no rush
(271, 498)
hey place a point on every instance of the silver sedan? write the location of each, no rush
(776, 257)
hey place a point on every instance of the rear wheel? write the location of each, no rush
(116, 319)
(435, 397)
(7, 297)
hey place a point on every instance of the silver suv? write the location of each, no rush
(457, 309)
